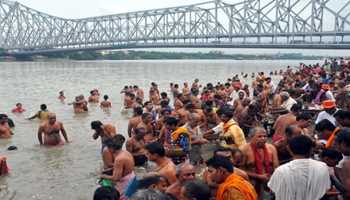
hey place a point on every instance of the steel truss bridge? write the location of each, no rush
(318, 24)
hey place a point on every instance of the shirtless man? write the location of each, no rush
(106, 103)
(210, 119)
(186, 89)
(51, 131)
(94, 97)
(136, 146)
(61, 96)
(129, 100)
(154, 94)
(104, 131)
(165, 167)
(135, 120)
(260, 159)
(123, 167)
(5, 131)
(178, 102)
(185, 172)
(285, 120)
(146, 124)
(139, 93)
(80, 104)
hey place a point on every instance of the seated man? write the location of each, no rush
(231, 185)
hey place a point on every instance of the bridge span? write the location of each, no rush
(306, 24)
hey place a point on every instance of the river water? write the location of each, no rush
(70, 171)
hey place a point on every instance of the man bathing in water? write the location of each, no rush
(5, 131)
(106, 103)
(51, 130)
(80, 104)
(94, 96)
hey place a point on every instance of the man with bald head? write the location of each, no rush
(51, 130)
(184, 172)
(260, 159)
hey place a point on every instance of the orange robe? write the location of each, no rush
(235, 187)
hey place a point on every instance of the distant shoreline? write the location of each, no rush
(155, 55)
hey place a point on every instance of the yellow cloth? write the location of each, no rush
(233, 134)
(178, 132)
(235, 186)
(43, 115)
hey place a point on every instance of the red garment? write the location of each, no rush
(262, 166)
(3, 166)
(18, 110)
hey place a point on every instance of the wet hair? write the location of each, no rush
(164, 103)
(43, 107)
(138, 110)
(3, 116)
(116, 142)
(145, 115)
(146, 103)
(304, 116)
(301, 145)
(149, 194)
(146, 182)
(155, 148)
(171, 121)
(106, 193)
(96, 125)
(166, 109)
(105, 97)
(163, 94)
(324, 124)
(226, 110)
(196, 189)
(220, 161)
(331, 153)
(343, 136)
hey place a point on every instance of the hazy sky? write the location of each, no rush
(88, 8)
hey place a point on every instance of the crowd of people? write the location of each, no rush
(224, 141)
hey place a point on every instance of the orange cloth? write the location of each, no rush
(331, 138)
(328, 104)
(238, 183)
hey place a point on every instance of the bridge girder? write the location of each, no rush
(247, 22)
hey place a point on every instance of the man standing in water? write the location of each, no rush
(51, 130)
(123, 167)
(104, 131)
(5, 131)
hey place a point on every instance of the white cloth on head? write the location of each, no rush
(288, 103)
(300, 179)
